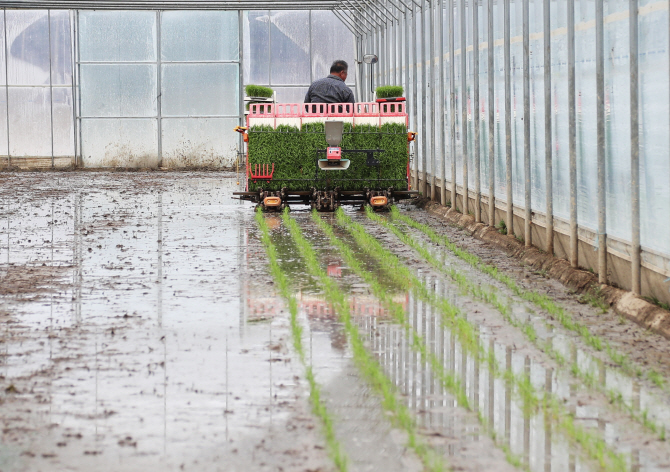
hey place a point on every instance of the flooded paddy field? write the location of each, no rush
(148, 321)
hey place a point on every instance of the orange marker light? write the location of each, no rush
(272, 201)
(378, 201)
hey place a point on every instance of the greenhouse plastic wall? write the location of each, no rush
(158, 88)
(518, 128)
(36, 122)
(149, 88)
(287, 50)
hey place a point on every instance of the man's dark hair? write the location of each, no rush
(338, 66)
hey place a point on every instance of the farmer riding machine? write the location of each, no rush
(326, 155)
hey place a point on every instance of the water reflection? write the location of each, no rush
(527, 432)
(609, 379)
(136, 331)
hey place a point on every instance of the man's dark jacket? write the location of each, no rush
(331, 89)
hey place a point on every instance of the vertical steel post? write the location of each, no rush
(526, 125)
(392, 49)
(78, 82)
(269, 36)
(405, 45)
(443, 134)
(492, 116)
(600, 115)
(433, 105)
(508, 122)
(548, 149)
(382, 61)
(73, 48)
(415, 93)
(51, 89)
(311, 58)
(475, 109)
(424, 143)
(452, 104)
(397, 50)
(240, 72)
(159, 86)
(464, 103)
(388, 26)
(9, 157)
(634, 150)
(572, 136)
(362, 67)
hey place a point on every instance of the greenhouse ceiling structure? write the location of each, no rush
(547, 118)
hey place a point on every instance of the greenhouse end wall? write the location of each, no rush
(147, 88)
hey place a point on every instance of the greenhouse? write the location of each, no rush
(459, 265)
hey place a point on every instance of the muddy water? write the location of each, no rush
(126, 340)
(140, 330)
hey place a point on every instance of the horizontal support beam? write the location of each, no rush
(173, 5)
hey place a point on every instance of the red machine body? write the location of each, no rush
(334, 153)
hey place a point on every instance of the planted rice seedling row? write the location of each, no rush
(363, 359)
(592, 444)
(318, 407)
(542, 301)
(417, 342)
(490, 297)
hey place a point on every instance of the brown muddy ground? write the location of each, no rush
(140, 330)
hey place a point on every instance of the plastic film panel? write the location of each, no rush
(499, 92)
(3, 127)
(2, 49)
(119, 142)
(198, 142)
(113, 36)
(118, 90)
(585, 72)
(291, 94)
(329, 43)
(199, 36)
(560, 110)
(28, 46)
(61, 48)
(537, 109)
(257, 47)
(516, 78)
(617, 120)
(654, 125)
(30, 121)
(62, 122)
(483, 96)
(289, 47)
(200, 89)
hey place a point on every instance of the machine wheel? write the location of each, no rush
(324, 200)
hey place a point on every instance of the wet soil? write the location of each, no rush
(140, 330)
(645, 348)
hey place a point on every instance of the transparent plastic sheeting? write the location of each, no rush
(199, 77)
(182, 34)
(120, 76)
(654, 109)
(118, 90)
(279, 47)
(117, 36)
(39, 80)
(117, 142)
(198, 141)
(200, 89)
